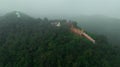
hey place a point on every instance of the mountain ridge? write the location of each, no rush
(37, 43)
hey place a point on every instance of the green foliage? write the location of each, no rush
(37, 43)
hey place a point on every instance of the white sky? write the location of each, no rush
(61, 7)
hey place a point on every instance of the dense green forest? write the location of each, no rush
(30, 42)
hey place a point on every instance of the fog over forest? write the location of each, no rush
(59, 33)
(42, 8)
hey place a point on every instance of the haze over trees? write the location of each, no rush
(30, 42)
(102, 25)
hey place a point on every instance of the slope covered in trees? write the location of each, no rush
(29, 42)
(101, 25)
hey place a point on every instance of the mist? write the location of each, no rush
(59, 33)
(38, 8)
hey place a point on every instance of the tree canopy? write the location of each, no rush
(29, 42)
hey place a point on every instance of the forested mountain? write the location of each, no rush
(30, 42)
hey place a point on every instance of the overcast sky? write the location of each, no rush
(62, 7)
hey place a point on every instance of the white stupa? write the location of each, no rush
(58, 24)
(18, 14)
